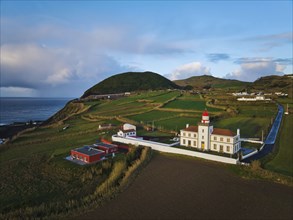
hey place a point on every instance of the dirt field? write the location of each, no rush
(182, 188)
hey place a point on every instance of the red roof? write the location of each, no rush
(205, 113)
(191, 128)
(224, 132)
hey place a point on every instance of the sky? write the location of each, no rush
(62, 48)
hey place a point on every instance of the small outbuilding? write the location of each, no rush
(127, 130)
(87, 154)
(106, 147)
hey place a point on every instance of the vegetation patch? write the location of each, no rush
(282, 158)
(103, 180)
(189, 105)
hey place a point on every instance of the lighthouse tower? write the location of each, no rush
(204, 131)
(205, 117)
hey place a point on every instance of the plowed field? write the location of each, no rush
(181, 188)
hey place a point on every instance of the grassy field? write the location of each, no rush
(153, 116)
(175, 124)
(282, 161)
(190, 105)
(249, 127)
(36, 158)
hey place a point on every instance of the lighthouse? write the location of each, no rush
(205, 118)
(204, 131)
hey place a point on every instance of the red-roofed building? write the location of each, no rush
(205, 137)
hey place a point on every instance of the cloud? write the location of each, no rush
(39, 68)
(282, 61)
(17, 92)
(115, 38)
(253, 68)
(274, 40)
(215, 57)
(47, 55)
(189, 70)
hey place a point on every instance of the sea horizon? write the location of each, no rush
(25, 109)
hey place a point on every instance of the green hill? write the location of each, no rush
(131, 81)
(275, 83)
(206, 82)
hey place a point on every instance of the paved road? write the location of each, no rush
(271, 138)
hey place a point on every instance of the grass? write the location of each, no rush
(177, 123)
(36, 158)
(249, 127)
(154, 115)
(189, 105)
(283, 161)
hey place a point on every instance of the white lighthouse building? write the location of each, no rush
(205, 137)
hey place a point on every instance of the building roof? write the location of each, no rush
(88, 150)
(105, 145)
(191, 128)
(223, 132)
(205, 113)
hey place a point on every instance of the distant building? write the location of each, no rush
(127, 130)
(257, 98)
(207, 138)
(87, 154)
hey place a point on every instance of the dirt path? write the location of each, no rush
(181, 188)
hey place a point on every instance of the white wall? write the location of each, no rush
(169, 149)
(249, 155)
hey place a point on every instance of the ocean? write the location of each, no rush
(26, 109)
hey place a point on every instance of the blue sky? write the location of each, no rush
(61, 48)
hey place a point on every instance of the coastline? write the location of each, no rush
(7, 131)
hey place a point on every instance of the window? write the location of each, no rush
(221, 139)
(228, 148)
(228, 139)
(194, 143)
(183, 134)
(202, 130)
(202, 137)
(215, 146)
(221, 148)
(189, 135)
(215, 138)
(194, 135)
(183, 141)
(189, 143)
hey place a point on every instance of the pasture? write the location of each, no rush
(34, 155)
(282, 161)
(249, 127)
(188, 104)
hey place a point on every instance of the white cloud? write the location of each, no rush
(39, 67)
(189, 70)
(17, 92)
(253, 68)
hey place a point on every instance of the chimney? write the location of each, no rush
(238, 131)
(187, 125)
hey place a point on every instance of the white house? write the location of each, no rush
(205, 137)
(127, 130)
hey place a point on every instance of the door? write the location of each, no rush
(202, 145)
